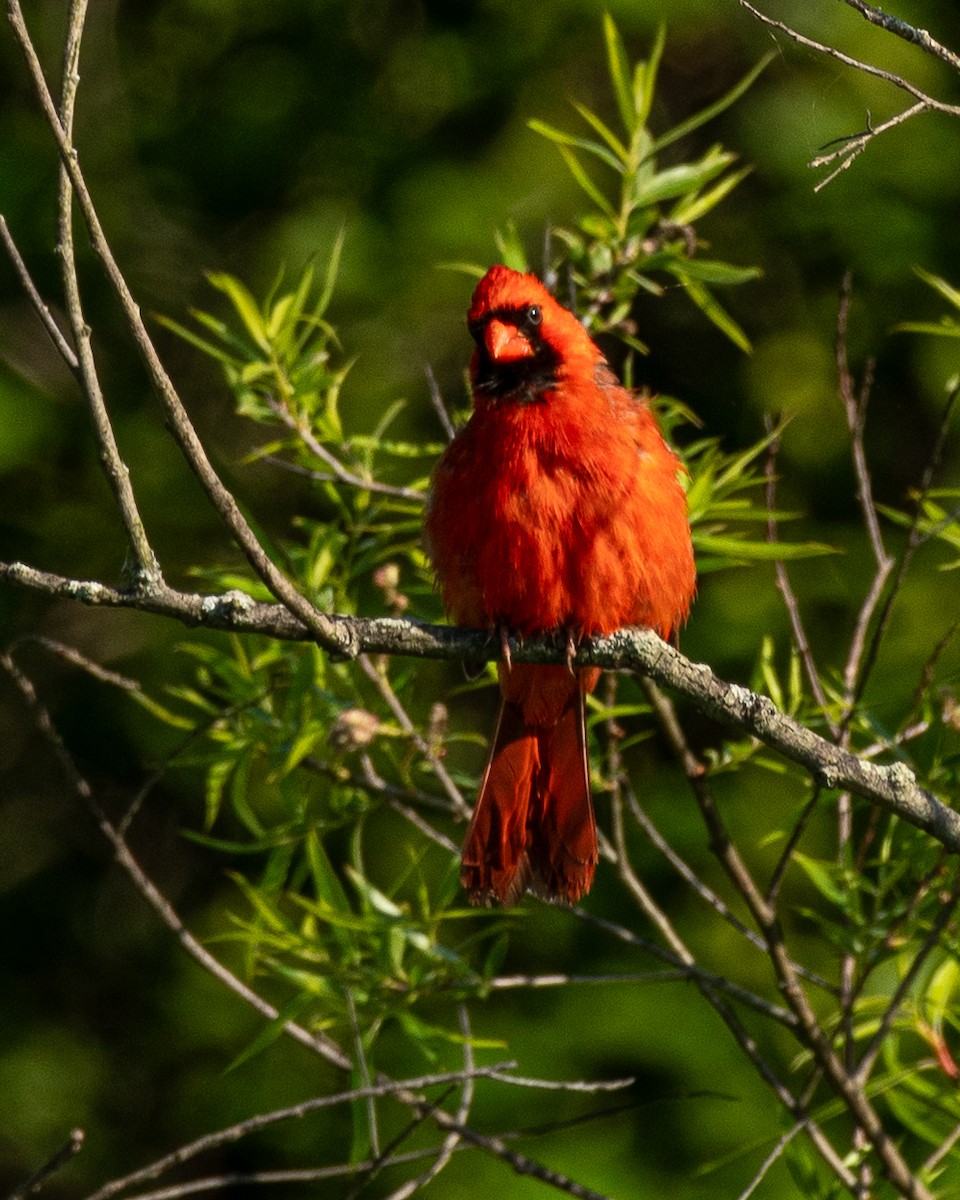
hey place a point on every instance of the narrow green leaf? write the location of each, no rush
(619, 67)
(822, 877)
(692, 208)
(947, 327)
(709, 271)
(510, 245)
(278, 314)
(715, 312)
(735, 547)
(618, 148)
(271, 1030)
(941, 994)
(196, 341)
(243, 302)
(330, 279)
(474, 270)
(645, 78)
(712, 110)
(946, 290)
(560, 138)
(679, 180)
(584, 180)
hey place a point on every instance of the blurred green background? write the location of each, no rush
(240, 136)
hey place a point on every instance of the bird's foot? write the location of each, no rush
(571, 648)
(503, 633)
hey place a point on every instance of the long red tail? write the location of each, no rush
(533, 824)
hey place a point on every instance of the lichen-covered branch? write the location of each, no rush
(893, 787)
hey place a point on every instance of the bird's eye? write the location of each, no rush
(534, 314)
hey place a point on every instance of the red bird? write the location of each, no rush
(558, 506)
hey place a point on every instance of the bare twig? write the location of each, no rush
(779, 1147)
(855, 411)
(436, 399)
(855, 145)
(707, 894)
(378, 677)
(72, 1146)
(241, 1129)
(324, 631)
(784, 587)
(809, 1028)
(144, 568)
(786, 856)
(339, 471)
(40, 307)
(897, 81)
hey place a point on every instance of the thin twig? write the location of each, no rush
(436, 399)
(855, 410)
(507, 982)
(225, 1183)
(809, 1028)
(942, 919)
(319, 1043)
(30, 1187)
(323, 630)
(790, 601)
(786, 856)
(897, 81)
(378, 677)
(39, 305)
(242, 1129)
(453, 1140)
(144, 568)
(855, 145)
(914, 541)
(340, 471)
(780, 1145)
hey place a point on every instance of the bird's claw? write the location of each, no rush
(505, 655)
(571, 649)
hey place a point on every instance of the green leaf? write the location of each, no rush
(760, 551)
(511, 250)
(619, 67)
(330, 279)
(244, 304)
(708, 271)
(474, 270)
(946, 327)
(692, 208)
(559, 138)
(196, 341)
(618, 148)
(271, 1030)
(676, 181)
(946, 290)
(715, 312)
(584, 180)
(941, 995)
(823, 876)
(645, 79)
(713, 110)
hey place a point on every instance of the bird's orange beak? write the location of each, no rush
(505, 342)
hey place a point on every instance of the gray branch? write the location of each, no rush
(894, 787)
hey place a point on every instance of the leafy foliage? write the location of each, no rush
(310, 763)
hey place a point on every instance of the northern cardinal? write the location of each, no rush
(557, 507)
